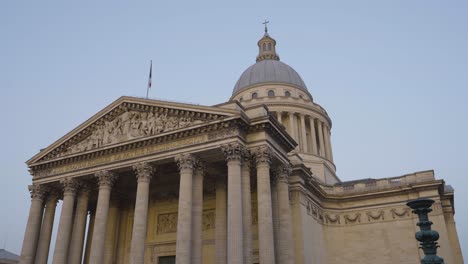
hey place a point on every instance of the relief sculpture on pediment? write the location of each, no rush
(128, 126)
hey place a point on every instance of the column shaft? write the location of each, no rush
(303, 133)
(285, 238)
(144, 173)
(111, 232)
(235, 230)
(106, 180)
(320, 137)
(247, 210)
(33, 227)
(221, 221)
(265, 220)
(274, 214)
(65, 225)
(184, 219)
(43, 246)
(330, 151)
(280, 117)
(197, 215)
(313, 136)
(78, 233)
(292, 130)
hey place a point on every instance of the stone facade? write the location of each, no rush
(247, 181)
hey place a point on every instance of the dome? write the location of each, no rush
(269, 71)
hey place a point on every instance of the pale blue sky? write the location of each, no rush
(391, 74)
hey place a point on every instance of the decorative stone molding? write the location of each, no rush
(283, 172)
(209, 217)
(167, 223)
(380, 215)
(126, 124)
(262, 155)
(332, 219)
(404, 212)
(233, 151)
(70, 186)
(143, 171)
(106, 179)
(352, 219)
(185, 161)
(38, 192)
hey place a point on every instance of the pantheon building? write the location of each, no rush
(250, 180)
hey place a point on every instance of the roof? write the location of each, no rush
(269, 71)
(6, 255)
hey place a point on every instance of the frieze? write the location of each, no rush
(371, 216)
(352, 219)
(404, 212)
(332, 219)
(121, 156)
(127, 122)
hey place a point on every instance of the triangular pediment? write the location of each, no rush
(129, 119)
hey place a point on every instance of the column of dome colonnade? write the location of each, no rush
(318, 133)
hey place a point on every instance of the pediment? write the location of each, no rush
(129, 119)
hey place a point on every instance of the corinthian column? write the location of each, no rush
(285, 237)
(265, 221)
(221, 221)
(184, 214)
(292, 130)
(31, 235)
(233, 154)
(79, 225)
(144, 172)
(280, 116)
(320, 137)
(197, 213)
(106, 180)
(43, 246)
(66, 218)
(303, 133)
(247, 207)
(313, 136)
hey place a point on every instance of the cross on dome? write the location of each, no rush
(267, 46)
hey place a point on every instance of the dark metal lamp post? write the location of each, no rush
(427, 238)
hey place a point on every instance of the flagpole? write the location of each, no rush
(149, 79)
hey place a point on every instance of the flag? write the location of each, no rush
(149, 78)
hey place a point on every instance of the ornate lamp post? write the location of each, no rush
(427, 238)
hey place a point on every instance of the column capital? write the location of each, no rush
(106, 179)
(199, 166)
(143, 171)
(70, 186)
(233, 151)
(38, 191)
(283, 172)
(262, 155)
(185, 161)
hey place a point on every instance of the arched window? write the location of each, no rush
(241, 99)
(287, 94)
(300, 96)
(269, 46)
(271, 93)
(264, 46)
(254, 96)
